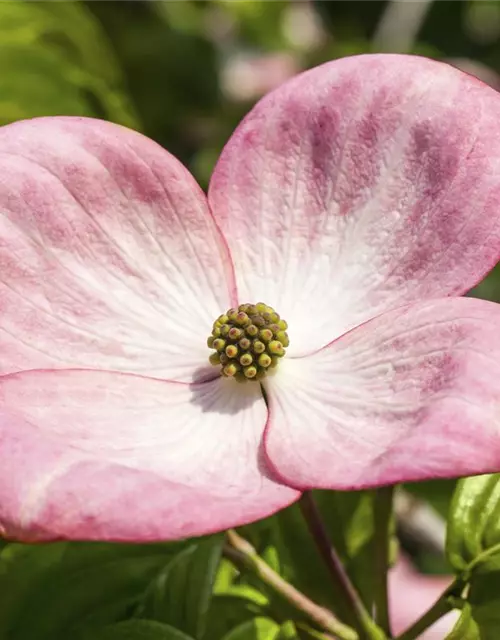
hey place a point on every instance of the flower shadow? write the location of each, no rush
(222, 396)
(216, 394)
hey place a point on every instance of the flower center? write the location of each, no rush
(248, 341)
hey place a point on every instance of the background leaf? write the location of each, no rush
(65, 62)
(256, 629)
(138, 630)
(68, 587)
(238, 603)
(172, 72)
(474, 526)
(465, 627)
(181, 594)
(473, 548)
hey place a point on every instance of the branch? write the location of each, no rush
(244, 556)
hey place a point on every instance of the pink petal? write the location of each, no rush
(109, 256)
(96, 455)
(359, 186)
(412, 394)
(411, 594)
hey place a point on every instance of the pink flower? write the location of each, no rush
(247, 77)
(411, 594)
(354, 199)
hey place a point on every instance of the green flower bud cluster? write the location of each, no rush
(248, 341)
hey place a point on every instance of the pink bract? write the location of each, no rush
(411, 594)
(355, 199)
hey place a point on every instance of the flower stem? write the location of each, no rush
(440, 608)
(399, 25)
(382, 535)
(243, 555)
(342, 584)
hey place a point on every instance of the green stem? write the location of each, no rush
(440, 608)
(243, 555)
(382, 517)
(481, 557)
(351, 599)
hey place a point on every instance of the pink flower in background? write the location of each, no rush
(354, 199)
(247, 77)
(411, 594)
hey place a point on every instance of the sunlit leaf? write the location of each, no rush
(288, 631)
(465, 628)
(56, 60)
(474, 524)
(256, 629)
(473, 548)
(225, 576)
(240, 603)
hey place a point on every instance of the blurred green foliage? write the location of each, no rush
(56, 59)
(185, 72)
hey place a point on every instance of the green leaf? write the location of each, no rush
(238, 604)
(229, 611)
(288, 631)
(64, 60)
(484, 600)
(474, 526)
(68, 587)
(256, 629)
(260, 22)
(225, 576)
(489, 288)
(172, 74)
(138, 630)
(465, 628)
(181, 594)
(473, 548)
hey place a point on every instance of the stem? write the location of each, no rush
(441, 607)
(399, 25)
(342, 584)
(243, 555)
(418, 523)
(382, 518)
(481, 557)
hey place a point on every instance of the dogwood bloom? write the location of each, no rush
(412, 593)
(354, 200)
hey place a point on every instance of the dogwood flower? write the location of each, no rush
(344, 211)
(412, 593)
